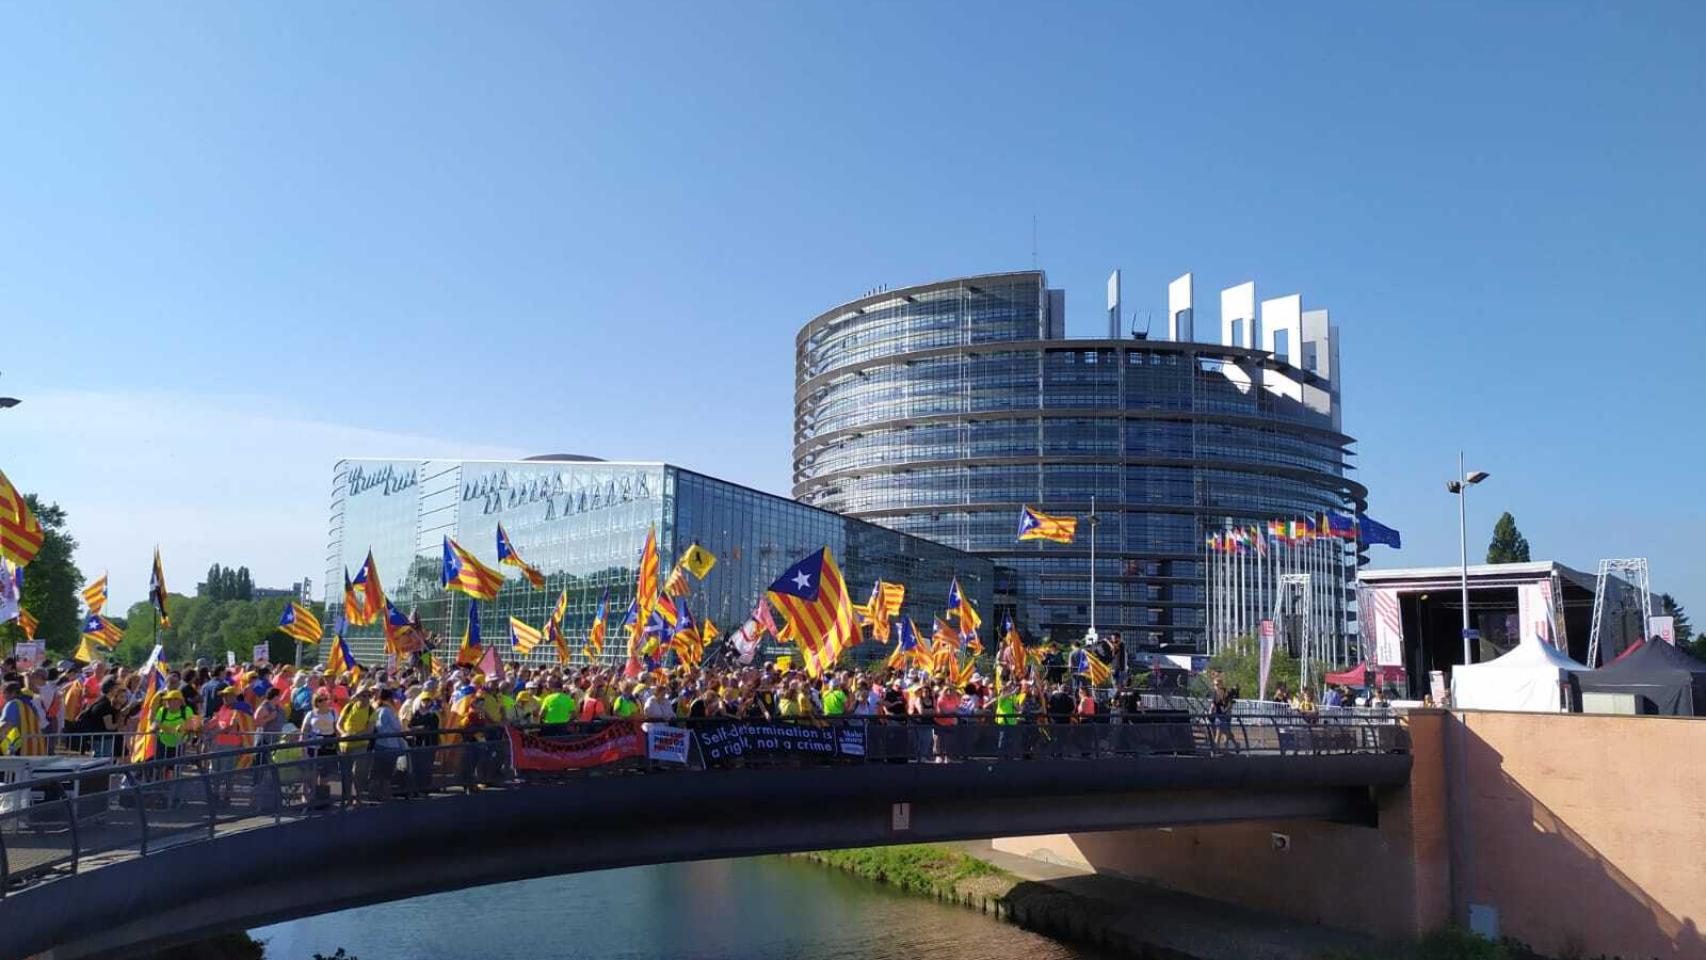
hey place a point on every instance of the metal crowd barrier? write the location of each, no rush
(87, 811)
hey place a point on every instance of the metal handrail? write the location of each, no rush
(178, 799)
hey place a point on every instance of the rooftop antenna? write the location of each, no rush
(1033, 241)
(1148, 318)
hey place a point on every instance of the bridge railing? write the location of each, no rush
(84, 812)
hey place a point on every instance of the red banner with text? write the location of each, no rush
(613, 743)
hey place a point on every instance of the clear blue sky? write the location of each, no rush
(239, 241)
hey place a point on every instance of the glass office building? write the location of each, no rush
(583, 523)
(940, 409)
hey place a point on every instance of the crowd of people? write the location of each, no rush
(96, 708)
(202, 708)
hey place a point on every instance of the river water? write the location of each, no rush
(767, 908)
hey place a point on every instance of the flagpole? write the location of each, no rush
(1092, 564)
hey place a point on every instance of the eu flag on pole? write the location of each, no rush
(1375, 532)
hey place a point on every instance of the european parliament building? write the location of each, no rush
(939, 409)
(583, 523)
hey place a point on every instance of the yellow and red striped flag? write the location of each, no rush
(523, 637)
(1037, 525)
(299, 622)
(95, 595)
(960, 605)
(595, 633)
(364, 598)
(28, 623)
(1100, 674)
(339, 660)
(153, 687)
(102, 631)
(646, 588)
(507, 554)
(20, 532)
(554, 633)
(813, 599)
(466, 574)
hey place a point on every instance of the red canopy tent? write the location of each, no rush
(1357, 676)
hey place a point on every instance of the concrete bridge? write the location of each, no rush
(141, 859)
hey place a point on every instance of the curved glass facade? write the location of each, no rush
(939, 410)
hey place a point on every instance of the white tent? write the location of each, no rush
(1532, 677)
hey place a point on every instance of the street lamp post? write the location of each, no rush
(1461, 486)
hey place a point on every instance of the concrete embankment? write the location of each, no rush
(1081, 907)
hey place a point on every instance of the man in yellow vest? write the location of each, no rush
(173, 722)
(21, 722)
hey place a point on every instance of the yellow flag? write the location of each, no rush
(698, 561)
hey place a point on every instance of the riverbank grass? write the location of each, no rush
(925, 868)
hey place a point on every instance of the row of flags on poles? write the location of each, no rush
(1258, 538)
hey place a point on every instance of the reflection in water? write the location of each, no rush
(760, 909)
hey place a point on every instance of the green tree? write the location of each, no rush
(245, 585)
(215, 580)
(1508, 544)
(51, 582)
(1242, 669)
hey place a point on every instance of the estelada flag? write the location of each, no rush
(402, 634)
(95, 595)
(102, 631)
(20, 532)
(595, 634)
(813, 599)
(299, 622)
(364, 599)
(469, 653)
(464, 573)
(523, 638)
(507, 554)
(1037, 525)
(959, 605)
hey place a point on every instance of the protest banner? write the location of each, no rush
(539, 754)
(722, 743)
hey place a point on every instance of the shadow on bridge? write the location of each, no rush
(257, 866)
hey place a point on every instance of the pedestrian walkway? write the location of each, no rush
(1151, 920)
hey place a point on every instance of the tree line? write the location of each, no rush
(223, 615)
